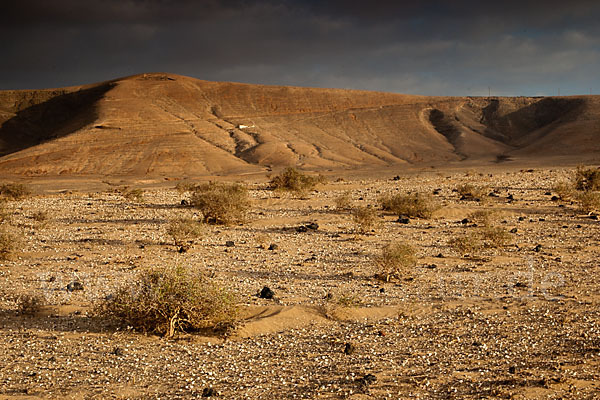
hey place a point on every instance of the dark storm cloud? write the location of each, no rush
(441, 47)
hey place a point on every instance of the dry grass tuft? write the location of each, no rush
(343, 202)
(171, 300)
(221, 203)
(30, 304)
(184, 231)
(411, 205)
(8, 243)
(14, 191)
(394, 260)
(468, 191)
(293, 180)
(587, 179)
(365, 219)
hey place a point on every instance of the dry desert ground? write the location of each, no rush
(520, 320)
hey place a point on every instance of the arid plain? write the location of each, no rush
(516, 318)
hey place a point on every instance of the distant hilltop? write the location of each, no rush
(165, 124)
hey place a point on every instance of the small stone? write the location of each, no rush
(313, 226)
(465, 221)
(514, 230)
(229, 243)
(184, 202)
(548, 193)
(117, 351)
(209, 392)
(301, 229)
(510, 197)
(537, 248)
(382, 290)
(273, 246)
(493, 194)
(554, 198)
(75, 285)
(521, 218)
(396, 178)
(349, 348)
(512, 369)
(266, 293)
(440, 255)
(403, 220)
(437, 191)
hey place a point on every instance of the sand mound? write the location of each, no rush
(162, 124)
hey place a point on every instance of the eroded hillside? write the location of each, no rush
(162, 124)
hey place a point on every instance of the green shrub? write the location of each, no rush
(411, 205)
(395, 259)
(221, 203)
(294, 181)
(365, 219)
(14, 191)
(166, 301)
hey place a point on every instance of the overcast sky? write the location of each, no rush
(433, 48)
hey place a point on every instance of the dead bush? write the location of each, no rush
(294, 181)
(587, 179)
(588, 201)
(136, 195)
(14, 191)
(221, 203)
(365, 219)
(184, 187)
(8, 243)
(170, 300)
(184, 231)
(394, 260)
(41, 216)
(29, 304)
(468, 191)
(466, 244)
(564, 190)
(494, 236)
(343, 201)
(411, 205)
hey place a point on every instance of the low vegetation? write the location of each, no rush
(343, 201)
(587, 179)
(184, 231)
(295, 181)
(170, 300)
(468, 191)
(8, 243)
(395, 259)
(365, 219)
(221, 203)
(584, 188)
(14, 191)
(28, 304)
(485, 234)
(135, 195)
(410, 205)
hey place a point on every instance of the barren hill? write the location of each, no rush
(163, 124)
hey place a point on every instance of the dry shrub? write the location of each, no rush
(411, 205)
(341, 297)
(136, 195)
(564, 190)
(221, 203)
(294, 181)
(589, 201)
(14, 191)
(41, 216)
(466, 244)
(395, 258)
(184, 231)
(587, 179)
(468, 191)
(485, 217)
(365, 219)
(494, 236)
(184, 187)
(30, 304)
(8, 243)
(343, 201)
(166, 301)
